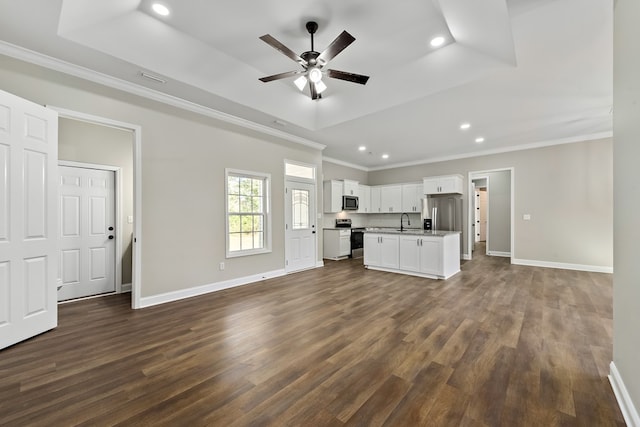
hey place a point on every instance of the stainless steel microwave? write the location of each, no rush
(349, 203)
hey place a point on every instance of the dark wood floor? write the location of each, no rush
(496, 345)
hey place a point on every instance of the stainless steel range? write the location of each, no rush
(357, 237)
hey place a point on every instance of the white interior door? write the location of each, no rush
(87, 235)
(476, 215)
(483, 215)
(28, 214)
(300, 227)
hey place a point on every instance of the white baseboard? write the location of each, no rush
(319, 264)
(629, 411)
(498, 253)
(205, 289)
(466, 257)
(125, 287)
(562, 265)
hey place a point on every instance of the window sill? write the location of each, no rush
(248, 253)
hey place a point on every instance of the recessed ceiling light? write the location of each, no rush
(385, 156)
(437, 41)
(479, 139)
(362, 148)
(160, 9)
(465, 126)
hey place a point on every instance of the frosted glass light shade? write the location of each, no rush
(315, 75)
(300, 82)
(320, 86)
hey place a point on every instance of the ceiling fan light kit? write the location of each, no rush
(313, 62)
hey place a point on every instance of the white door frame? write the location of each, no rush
(482, 174)
(118, 213)
(136, 274)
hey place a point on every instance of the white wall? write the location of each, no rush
(626, 131)
(183, 160)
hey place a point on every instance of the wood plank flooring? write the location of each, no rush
(496, 345)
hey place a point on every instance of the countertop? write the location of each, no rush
(410, 231)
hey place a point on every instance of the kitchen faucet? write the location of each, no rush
(401, 218)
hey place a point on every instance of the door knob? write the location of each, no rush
(110, 237)
(110, 228)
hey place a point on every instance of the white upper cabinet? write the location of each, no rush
(350, 188)
(391, 198)
(374, 200)
(364, 198)
(446, 184)
(411, 196)
(332, 196)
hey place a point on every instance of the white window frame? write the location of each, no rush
(266, 178)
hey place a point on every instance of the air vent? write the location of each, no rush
(152, 77)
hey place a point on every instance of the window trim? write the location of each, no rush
(266, 178)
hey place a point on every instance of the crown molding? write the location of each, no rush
(343, 163)
(55, 64)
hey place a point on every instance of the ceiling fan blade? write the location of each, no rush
(350, 77)
(282, 48)
(280, 76)
(314, 92)
(336, 46)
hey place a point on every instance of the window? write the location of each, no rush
(248, 220)
(300, 170)
(300, 209)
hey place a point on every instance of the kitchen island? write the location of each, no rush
(430, 254)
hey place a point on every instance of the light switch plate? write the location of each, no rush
(130, 219)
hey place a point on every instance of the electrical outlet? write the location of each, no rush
(221, 266)
(526, 217)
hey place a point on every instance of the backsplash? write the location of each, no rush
(371, 220)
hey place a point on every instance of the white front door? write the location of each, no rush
(300, 227)
(87, 232)
(28, 219)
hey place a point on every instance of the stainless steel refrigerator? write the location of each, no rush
(444, 213)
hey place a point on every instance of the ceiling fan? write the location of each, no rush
(313, 63)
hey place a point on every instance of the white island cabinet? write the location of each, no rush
(434, 255)
(381, 250)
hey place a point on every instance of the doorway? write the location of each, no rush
(480, 219)
(130, 222)
(498, 221)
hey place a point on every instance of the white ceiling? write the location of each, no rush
(522, 72)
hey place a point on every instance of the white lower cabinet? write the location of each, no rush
(336, 243)
(418, 255)
(421, 254)
(381, 250)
